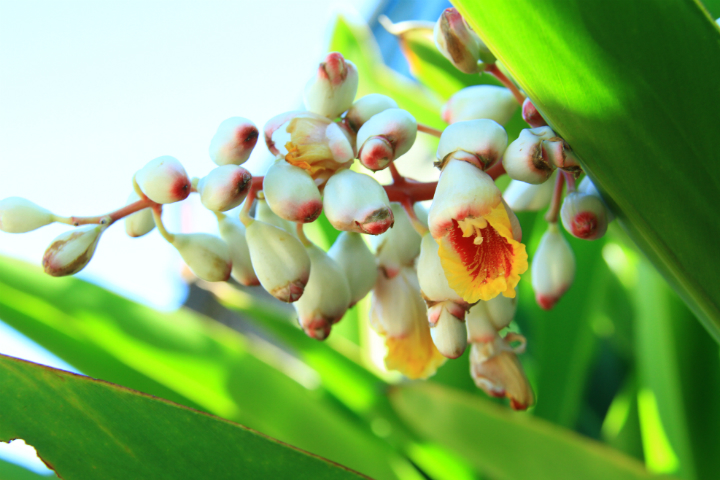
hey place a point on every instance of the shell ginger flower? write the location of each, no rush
(478, 236)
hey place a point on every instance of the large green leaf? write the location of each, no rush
(631, 85)
(86, 428)
(505, 444)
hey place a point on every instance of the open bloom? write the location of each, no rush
(478, 238)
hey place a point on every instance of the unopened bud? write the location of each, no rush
(531, 115)
(584, 216)
(280, 261)
(358, 263)
(234, 141)
(399, 246)
(525, 197)
(72, 250)
(433, 283)
(485, 318)
(141, 222)
(553, 268)
(264, 213)
(224, 188)
(588, 187)
(232, 232)
(526, 158)
(447, 328)
(496, 369)
(326, 297)
(385, 137)
(478, 142)
(18, 215)
(561, 156)
(366, 107)
(291, 193)
(355, 202)
(459, 43)
(164, 180)
(333, 89)
(480, 102)
(206, 255)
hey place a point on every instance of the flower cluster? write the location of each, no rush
(439, 279)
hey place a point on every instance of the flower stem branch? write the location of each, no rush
(429, 130)
(552, 214)
(495, 72)
(114, 216)
(157, 216)
(570, 179)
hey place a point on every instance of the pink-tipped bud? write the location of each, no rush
(233, 142)
(496, 369)
(524, 197)
(479, 142)
(459, 43)
(164, 180)
(399, 246)
(232, 231)
(326, 297)
(18, 215)
(553, 268)
(560, 155)
(447, 328)
(333, 89)
(280, 261)
(588, 187)
(365, 108)
(206, 255)
(355, 202)
(358, 263)
(433, 283)
(385, 137)
(291, 193)
(584, 216)
(224, 188)
(72, 250)
(531, 115)
(480, 102)
(139, 223)
(487, 317)
(526, 159)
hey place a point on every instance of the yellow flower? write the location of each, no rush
(478, 236)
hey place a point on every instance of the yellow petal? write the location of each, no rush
(415, 354)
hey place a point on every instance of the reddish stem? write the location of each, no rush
(570, 179)
(396, 176)
(552, 214)
(117, 214)
(429, 130)
(495, 72)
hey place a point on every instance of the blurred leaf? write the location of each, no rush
(612, 93)
(86, 429)
(189, 359)
(10, 471)
(621, 427)
(506, 444)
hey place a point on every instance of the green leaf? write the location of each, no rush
(86, 428)
(10, 471)
(631, 87)
(504, 444)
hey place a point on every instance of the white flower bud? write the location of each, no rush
(326, 297)
(478, 102)
(365, 108)
(224, 188)
(18, 215)
(141, 222)
(291, 193)
(333, 89)
(433, 283)
(72, 250)
(164, 180)
(479, 142)
(398, 246)
(234, 141)
(459, 43)
(280, 261)
(206, 255)
(525, 197)
(264, 213)
(385, 137)
(526, 158)
(584, 216)
(232, 232)
(588, 187)
(487, 317)
(355, 202)
(553, 268)
(447, 328)
(278, 124)
(358, 263)
(531, 115)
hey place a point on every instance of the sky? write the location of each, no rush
(90, 91)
